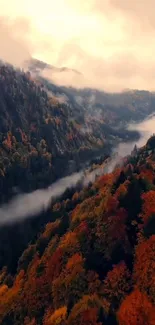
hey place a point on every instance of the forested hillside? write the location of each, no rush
(42, 138)
(94, 263)
(115, 109)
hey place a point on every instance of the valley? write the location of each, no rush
(77, 162)
(66, 180)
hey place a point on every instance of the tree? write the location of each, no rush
(144, 267)
(87, 311)
(57, 318)
(148, 208)
(70, 285)
(136, 309)
(116, 284)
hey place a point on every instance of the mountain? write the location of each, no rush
(113, 108)
(46, 133)
(80, 261)
(37, 67)
(43, 138)
(93, 263)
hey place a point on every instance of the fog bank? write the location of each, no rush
(145, 129)
(28, 205)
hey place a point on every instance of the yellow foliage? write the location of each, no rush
(69, 241)
(58, 317)
(50, 228)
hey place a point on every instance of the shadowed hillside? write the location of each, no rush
(87, 265)
(41, 138)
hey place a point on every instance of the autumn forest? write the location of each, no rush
(89, 259)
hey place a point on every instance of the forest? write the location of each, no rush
(94, 262)
(43, 139)
(89, 259)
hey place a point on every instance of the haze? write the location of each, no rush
(111, 41)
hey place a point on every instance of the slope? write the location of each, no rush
(41, 138)
(87, 266)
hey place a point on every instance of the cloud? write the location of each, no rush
(110, 42)
(19, 40)
(146, 130)
(14, 46)
(24, 206)
(120, 71)
(141, 12)
(28, 205)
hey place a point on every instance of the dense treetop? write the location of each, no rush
(94, 263)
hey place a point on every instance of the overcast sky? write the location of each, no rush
(112, 42)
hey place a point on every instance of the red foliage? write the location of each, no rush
(148, 205)
(37, 289)
(105, 180)
(144, 268)
(147, 174)
(54, 265)
(136, 309)
(112, 204)
(117, 284)
(82, 228)
(89, 317)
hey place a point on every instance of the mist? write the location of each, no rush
(15, 47)
(111, 42)
(28, 205)
(146, 129)
(23, 206)
(19, 40)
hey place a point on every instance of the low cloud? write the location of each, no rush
(112, 74)
(28, 205)
(14, 45)
(110, 42)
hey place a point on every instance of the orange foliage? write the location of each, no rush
(54, 265)
(122, 190)
(75, 196)
(36, 289)
(86, 311)
(69, 286)
(76, 259)
(105, 180)
(82, 228)
(50, 228)
(144, 268)
(70, 243)
(148, 208)
(136, 309)
(85, 209)
(116, 284)
(8, 141)
(11, 297)
(56, 318)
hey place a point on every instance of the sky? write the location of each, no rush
(111, 42)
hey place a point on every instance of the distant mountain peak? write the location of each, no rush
(37, 66)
